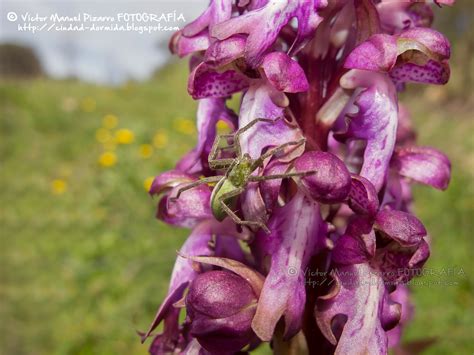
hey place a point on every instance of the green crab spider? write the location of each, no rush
(238, 174)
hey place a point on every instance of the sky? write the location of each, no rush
(98, 56)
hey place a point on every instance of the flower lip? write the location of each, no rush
(298, 233)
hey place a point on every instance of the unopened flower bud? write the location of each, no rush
(220, 306)
(330, 182)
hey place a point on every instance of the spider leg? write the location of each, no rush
(245, 128)
(219, 164)
(191, 185)
(254, 122)
(214, 163)
(234, 216)
(259, 161)
(280, 176)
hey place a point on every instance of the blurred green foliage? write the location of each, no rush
(84, 264)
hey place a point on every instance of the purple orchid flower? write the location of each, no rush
(315, 176)
(356, 313)
(414, 55)
(298, 233)
(208, 238)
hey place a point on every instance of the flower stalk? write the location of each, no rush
(303, 233)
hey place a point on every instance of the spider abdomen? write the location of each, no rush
(223, 187)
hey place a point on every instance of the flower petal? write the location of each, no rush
(398, 264)
(254, 278)
(427, 41)
(430, 73)
(257, 103)
(350, 250)
(402, 296)
(190, 208)
(415, 55)
(218, 11)
(378, 53)
(426, 165)
(264, 24)
(357, 245)
(363, 196)
(205, 81)
(375, 122)
(298, 233)
(182, 45)
(199, 243)
(284, 73)
(355, 309)
(270, 189)
(224, 52)
(331, 181)
(403, 227)
(396, 16)
(209, 112)
(253, 205)
(168, 180)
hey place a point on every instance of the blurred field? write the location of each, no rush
(84, 263)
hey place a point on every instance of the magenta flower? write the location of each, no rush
(303, 234)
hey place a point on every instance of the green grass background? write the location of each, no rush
(81, 271)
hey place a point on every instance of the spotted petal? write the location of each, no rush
(415, 55)
(363, 196)
(206, 81)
